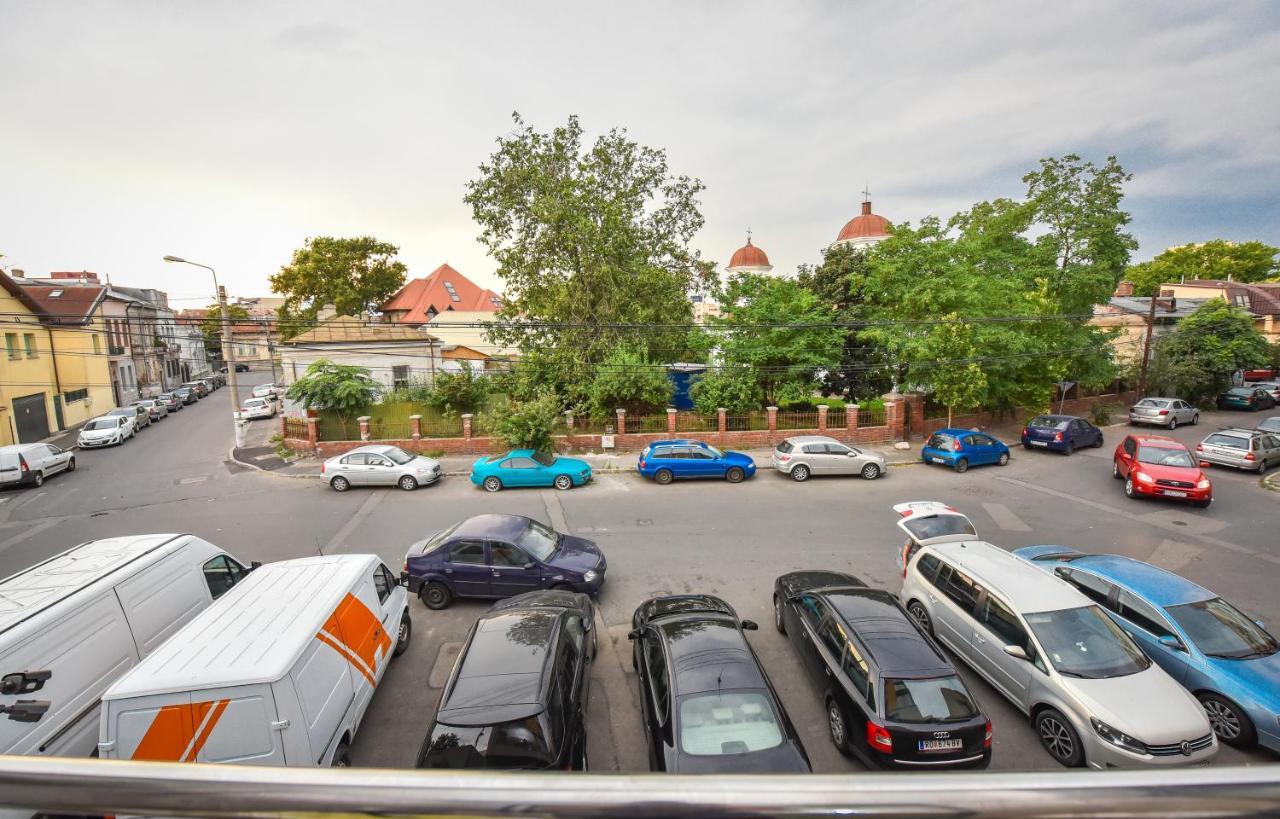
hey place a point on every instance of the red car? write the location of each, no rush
(1159, 466)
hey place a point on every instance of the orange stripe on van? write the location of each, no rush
(178, 732)
(356, 633)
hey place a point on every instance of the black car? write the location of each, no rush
(187, 395)
(707, 705)
(517, 696)
(893, 700)
(242, 368)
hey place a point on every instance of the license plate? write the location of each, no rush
(937, 460)
(1039, 443)
(940, 745)
(1174, 494)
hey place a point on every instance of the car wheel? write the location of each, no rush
(407, 483)
(918, 611)
(39, 479)
(1129, 491)
(838, 727)
(1229, 720)
(871, 472)
(1261, 467)
(492, 484)
(1059, 738)
(563, 482)
(777, 616)
(1070, 449)
(800, 472)
(663, 476)
(71, 465)
(961, 465)
(1003, 460)
(403, 635)
(1173, 424)
(342, 756)
(1097, 442)
(340, 484)
(435, 596)
(1195, 419)
(1026, 445)
(1115, 470)
(735, 474)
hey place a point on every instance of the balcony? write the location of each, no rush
(115, 349)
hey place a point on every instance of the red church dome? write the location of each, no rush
(749, 256)
(865, 225)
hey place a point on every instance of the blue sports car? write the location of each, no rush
(664, 461)
(1215, 651)
(963, 448)
(524, 467)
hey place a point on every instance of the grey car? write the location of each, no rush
(1163, 412)
(1251, 449)
(380, 465)
(803, 456)
(140, 415)
(1271, 425)
(154, 407)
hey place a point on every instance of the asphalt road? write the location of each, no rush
(728, 540)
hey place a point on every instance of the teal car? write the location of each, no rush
(524, 467)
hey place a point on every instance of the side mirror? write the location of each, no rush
(1169, 641)
(529, 565)
(1205, 464)
(750, 625)
(634, 634)
(1017, 652)
(256, 564)
(1260, 624)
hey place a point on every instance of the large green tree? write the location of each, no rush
(1218, 259)
(587, 238)
(354, 275)
(627, 379)
(342, 389)
(211, 325)
(1196, 359)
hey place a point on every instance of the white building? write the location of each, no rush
(395, 355)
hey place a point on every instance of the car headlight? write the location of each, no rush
(591, 576)
(1117, 738)
(1143, 477)
(1203, 484)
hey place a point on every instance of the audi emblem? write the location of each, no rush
(1186, 748)
(947, 735)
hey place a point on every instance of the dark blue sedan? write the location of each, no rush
(664, 461)
(496, 556)
(963, 448)
(1060, 433)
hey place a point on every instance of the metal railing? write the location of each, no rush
(172, 789)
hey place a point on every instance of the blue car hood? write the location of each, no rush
(738, 458)
(575, 554)
(1260, 675)
(572, 465)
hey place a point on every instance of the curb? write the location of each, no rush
(231, 456)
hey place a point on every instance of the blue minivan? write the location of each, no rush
(963, 448)
(664, 461)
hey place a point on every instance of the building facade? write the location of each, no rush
(445, 290)
(395, 356)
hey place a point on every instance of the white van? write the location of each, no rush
(278, 672)
(72, 625)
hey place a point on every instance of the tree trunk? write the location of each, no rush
(948, 416)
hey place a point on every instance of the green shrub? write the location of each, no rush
(528, 424)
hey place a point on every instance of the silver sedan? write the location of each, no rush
(380, 465)
(1163, 412)
(803, 456)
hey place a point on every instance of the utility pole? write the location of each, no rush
(1146, 348)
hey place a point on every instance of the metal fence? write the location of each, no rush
(332, 428)
(693, 422)
(647, 423)
(746, 421)
(295, 428)
(797, 420)
(434, 425)
(871, 417)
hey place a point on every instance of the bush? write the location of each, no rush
(528, 424)
(457, 393)
(1100, 413)
(626, 379)
(811, 404)
(734, 389)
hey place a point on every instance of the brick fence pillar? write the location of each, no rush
(822, 418)
(913, 412)
(568, 420)
(773, 420)
(364, 427)
(415, 427)
(893, 416)
(313, 431)
(671, 422)
(851, 417)
(622, 421)
(723, 420)
(466, 426)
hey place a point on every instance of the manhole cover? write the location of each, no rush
(644, 522)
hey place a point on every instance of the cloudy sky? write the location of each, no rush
(228, 132)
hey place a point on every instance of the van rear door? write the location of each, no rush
(224, 725)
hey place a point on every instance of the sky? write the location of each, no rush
(229, 132)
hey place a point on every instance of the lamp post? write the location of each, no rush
(228, 351)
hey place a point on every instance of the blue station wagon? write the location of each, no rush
(963, 448)
(664, 461)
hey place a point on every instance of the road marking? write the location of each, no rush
(1005, 518)
(32, 532)
(196, 479)
(555, 512)
(339, 539)
(1172, 555)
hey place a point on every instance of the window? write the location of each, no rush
(1142, 615)
(29, 341)
(504, 554)
(938, 699)
(75, 395)
(811, 609)
(383, 582)
(928, 567)
(1002, 623)
(96, 349)
(815, 449)
(11, 343)
(718, 724)
(658, 678)
(697, 453)
(838, 449)
(400, 376)
(957, 586)
(1130, 446)
(1086, 643)
(855, 667)
(467, 551)
(518, 463)
(221, 573)
(1221, 630)
(1096, 589)
(575, 631)
(374, 460)
(358, 459)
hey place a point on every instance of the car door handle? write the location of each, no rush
(932, 599)
(448, 571)
(826, 670)
(978, 638)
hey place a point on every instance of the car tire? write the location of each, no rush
(1229, 721)
(1026, 445)
(917, 610)
(1173, 424)
(777, 616)
(71, 465)
(962, 465)
(563, 482)
(1195, 419)
(663, 476)
(800, 473)
(435, 596)
(838, 727)
(341, 756)
(1059, 738)
(403, 635)
(871, 472)
(492, 484)
(38, 480)
(339, 484)
(407, 483)
(734, 474)
(1097, 442)
(1069, 449)
(1129, 491)
(1003, 460)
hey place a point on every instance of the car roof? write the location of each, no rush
(1026, 587)
(543, 599)
(678, 442)
(1057, 417)
(707, 652)
(812, 439)
(1156, 398)
(1236, 431)
(505, 661)
(954, 431)
(1161, 587)
(1162, 441)
(886, 633)
(504, 527)
(678, 604)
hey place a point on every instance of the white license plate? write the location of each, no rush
(1174, 494)
(937, 460)
(940, 745)
(1039, 443)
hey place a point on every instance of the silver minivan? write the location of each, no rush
(1094, 698)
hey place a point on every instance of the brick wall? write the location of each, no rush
(1072, 406)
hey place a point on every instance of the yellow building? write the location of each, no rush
(53, 371)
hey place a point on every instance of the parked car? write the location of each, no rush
(1272, 387)
(251, 408)
(30, 464)
(1249, 449)
(930, 522)
(1227, 660)
(1271, 425)
(706, 704)
(664, 461)
(1246, 398)
(524, 467)
(1163, 412)
(1094, 698)
(171, 401)
(106, 430)
(264, 390)
(517, 696)
(155, 408)
(241, 368)
(186, 395)
(201, 388)
(1060, 433)
(892, 698)
(141, 417)
(377, 465)
(500, 556)
(801, 456)
(1159, 466)
(963, 448)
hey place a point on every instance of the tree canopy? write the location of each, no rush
(211, 325)
(342, 389)
(1218, 259)
(1195, 360)
(354, 275)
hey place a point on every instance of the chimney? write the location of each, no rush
(1124, 288)
(18, 273)
(1173, 304)
(866, 208)
(326, 312)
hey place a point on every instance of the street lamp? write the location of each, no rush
(228, 350)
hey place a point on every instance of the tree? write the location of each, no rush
(1218, 259)
(628, 380)
(838, 284)
(341, 389)
(1196, 359)
(211, 325)
(529, 424)
(587, 239)
(731, 387)
(457, 393)
(354, 275)
(959, 382)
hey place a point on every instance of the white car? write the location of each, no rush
(265, 390)
(30, 464)
(258, 408)
(106, 430)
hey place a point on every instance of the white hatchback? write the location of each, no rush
(258, 408)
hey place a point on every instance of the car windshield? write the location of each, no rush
(1163, 456)
(1153, 402)
(538, 540)
(1230, 441)
(1085, 642)
(940, 699)
(164, 396)
(939, 526)
(1046, 422)
(544, 458)
(727, 722)
(102, 423)
(398, 455)
(715, 453)
(1240, 392)
(1219, 629)
(785, 447)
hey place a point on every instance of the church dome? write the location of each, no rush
(864, 227)
(749, 257)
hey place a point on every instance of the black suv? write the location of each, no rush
(707, 705)
(517, 696)
(893, 700)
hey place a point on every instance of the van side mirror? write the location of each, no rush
(1017, 652)
(1260, 624)
(634, 634)
(529, 565)
(750, 625)
(1169, 641)
(255, 564)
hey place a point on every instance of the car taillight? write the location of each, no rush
(22, 462)
(1248, 456)
(1026, 431)
(784, 458)
(322, 467)
(1164, 412)
(956, 446)
(878, 738)
(1057, 436)
(1199, 448)
(642, 463)
(986, 737)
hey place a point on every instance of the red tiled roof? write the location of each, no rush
(864, 225)
(749, 256)
(71, 305)
(419, 296)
